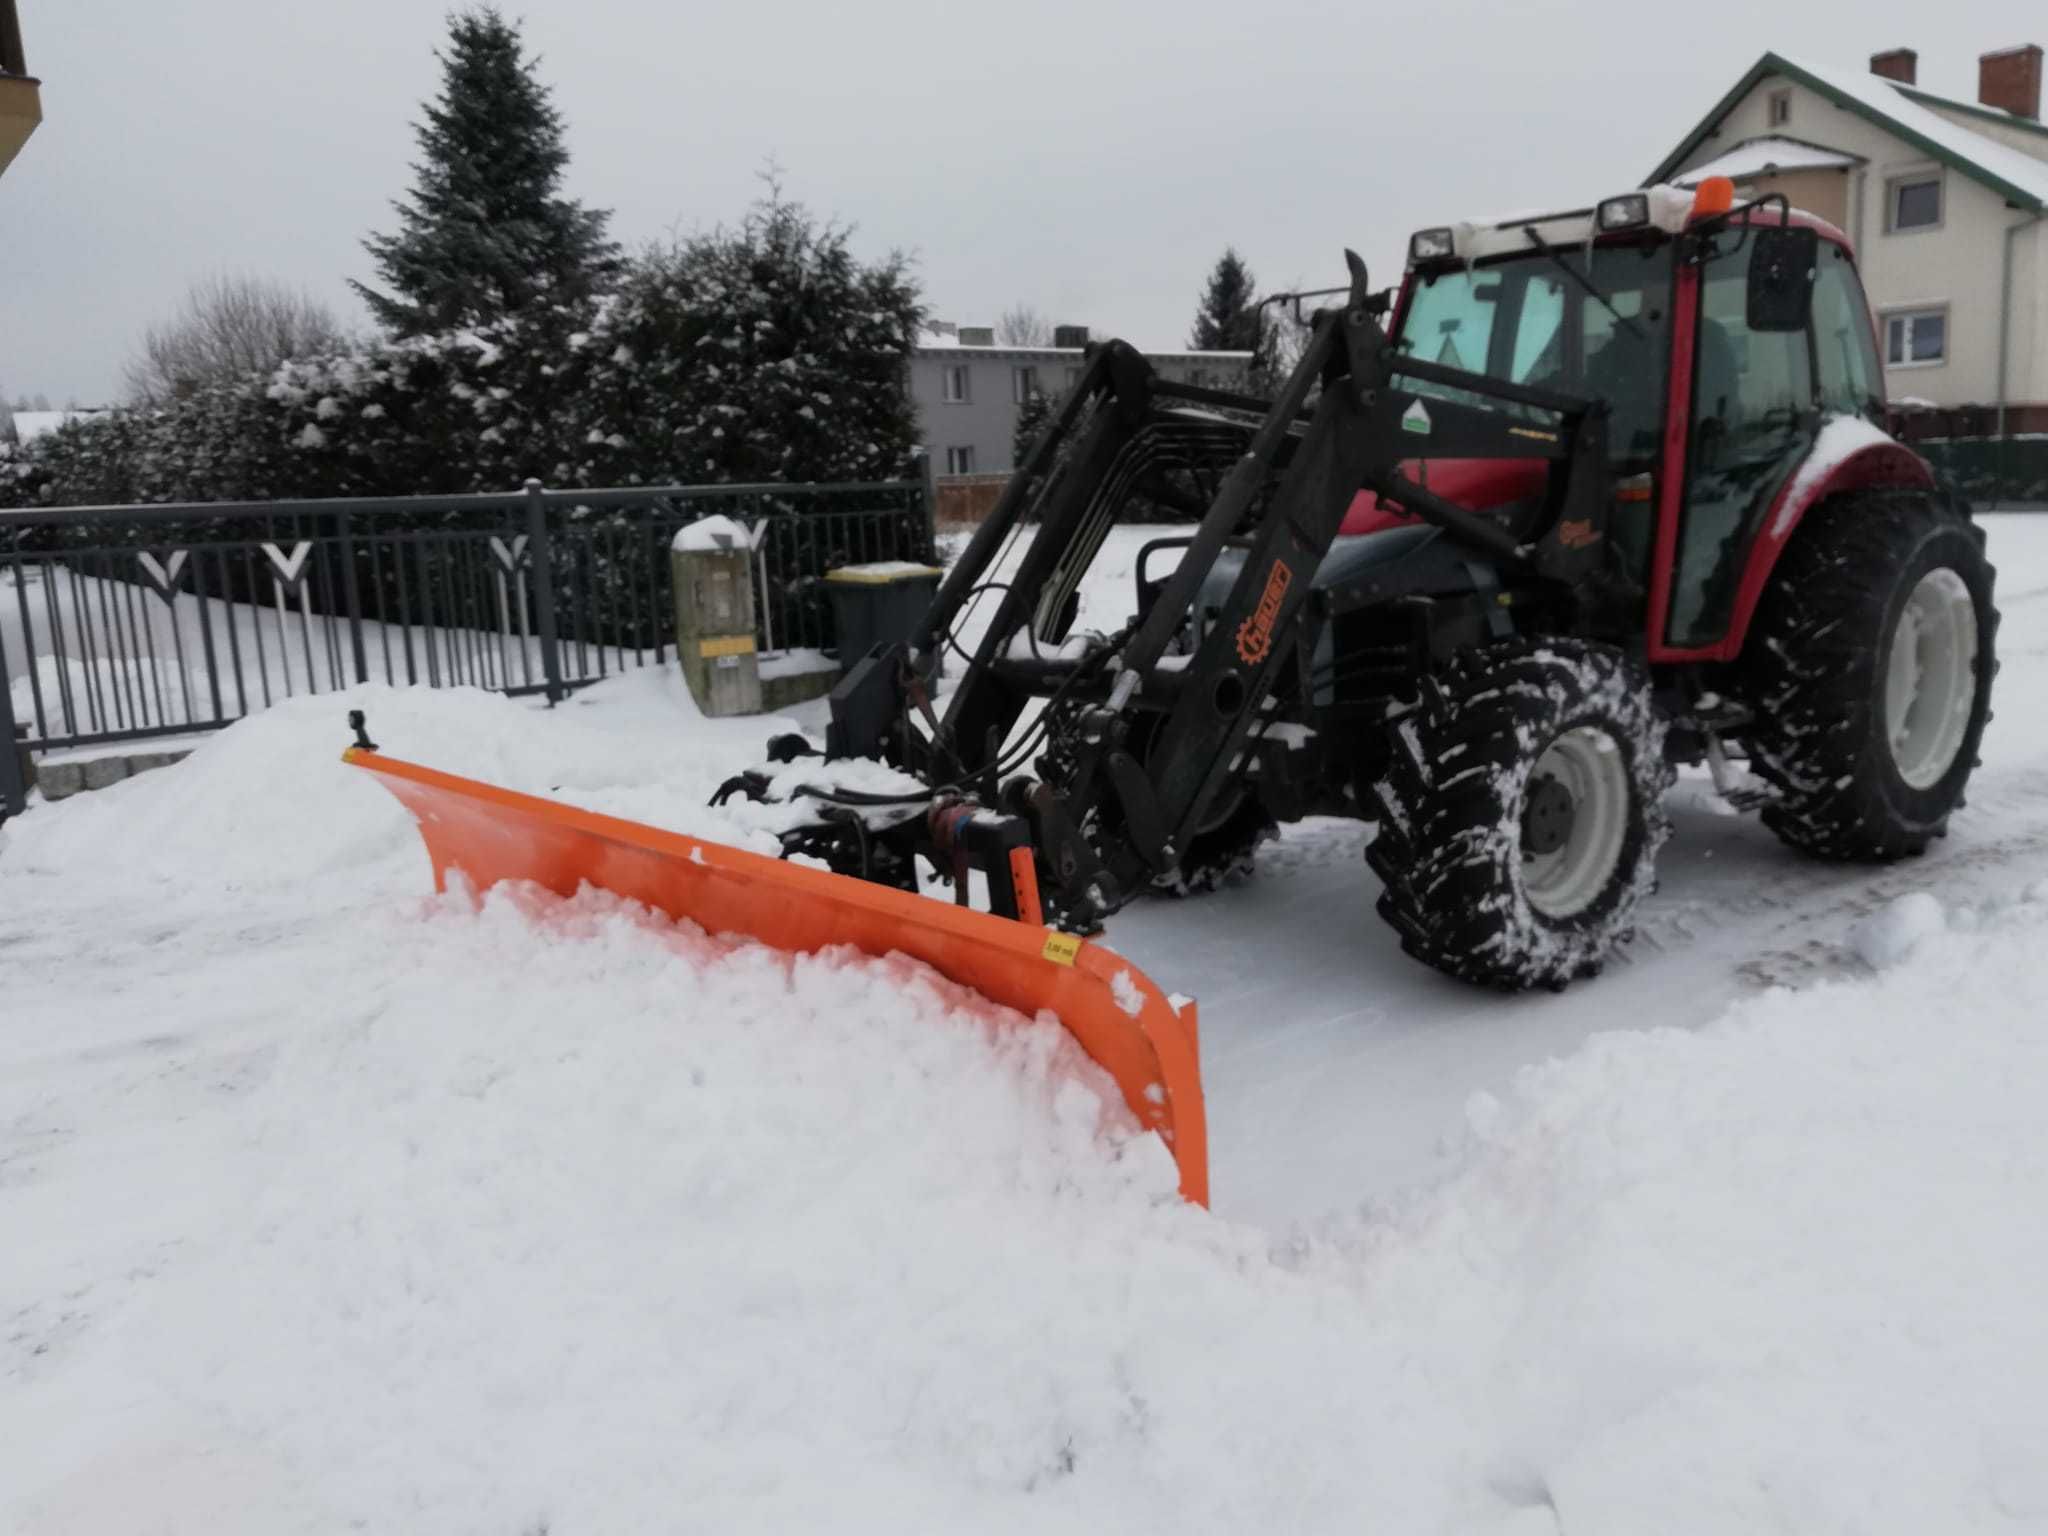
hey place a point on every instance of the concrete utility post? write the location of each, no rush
(713, 564)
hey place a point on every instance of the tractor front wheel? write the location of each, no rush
(1520, 813)
(1869, 671)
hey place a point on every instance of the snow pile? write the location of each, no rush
(1889, 936)
(329, 1207)
(269, 801)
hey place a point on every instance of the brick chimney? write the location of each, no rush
(1900, 64)
(2010, 80)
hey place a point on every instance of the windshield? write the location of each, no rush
(1526, 321)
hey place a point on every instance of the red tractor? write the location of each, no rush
(1593, 494)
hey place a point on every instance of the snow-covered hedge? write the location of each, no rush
(765, 352)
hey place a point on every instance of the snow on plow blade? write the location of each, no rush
(1110, 1007)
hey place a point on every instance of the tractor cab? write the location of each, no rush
(1717, 339)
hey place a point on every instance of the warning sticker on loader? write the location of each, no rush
(1415, 419)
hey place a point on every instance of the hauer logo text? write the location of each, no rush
(1255, 634)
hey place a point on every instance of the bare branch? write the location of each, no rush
(230, 326)
(1023, 326)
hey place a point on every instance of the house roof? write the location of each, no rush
(929, 340)
(1975, 109)
(2017, 177)
(1772, 152)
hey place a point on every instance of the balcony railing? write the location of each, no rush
(21, 96)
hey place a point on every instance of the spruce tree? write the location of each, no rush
(485, 233)
(1228, 318)
(1033, 417)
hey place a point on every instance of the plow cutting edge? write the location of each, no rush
(1117, 1015)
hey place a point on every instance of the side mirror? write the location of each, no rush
(1782, 263)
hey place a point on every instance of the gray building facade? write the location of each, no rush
(968, 389)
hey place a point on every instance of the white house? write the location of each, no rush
(1945, 201)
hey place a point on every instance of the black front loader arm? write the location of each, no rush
(1352, 413)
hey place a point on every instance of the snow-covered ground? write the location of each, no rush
(329, 1205)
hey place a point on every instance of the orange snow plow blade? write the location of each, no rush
(1107, 1004)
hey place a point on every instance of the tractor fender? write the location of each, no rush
(1877, 463)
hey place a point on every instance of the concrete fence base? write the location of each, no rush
(60, 781)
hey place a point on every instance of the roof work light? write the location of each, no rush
(1629, 211)
(1432, 245)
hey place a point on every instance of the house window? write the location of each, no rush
(954, 390)
(1914, 203)
(1023, 384)
(1915, 338)
(1781, 108)
(960, 461)
(1073, 375)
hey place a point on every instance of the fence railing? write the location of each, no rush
(1995, 458)
(129, 622)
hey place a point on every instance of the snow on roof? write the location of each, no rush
(1883, 97)
(2014, 175)
(1753, 157)
(30, 425)
(1503, 234)
(929, 340)
(1978, 109)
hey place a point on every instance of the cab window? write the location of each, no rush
(1844, 348)
(1753, 399)
(1523, 321)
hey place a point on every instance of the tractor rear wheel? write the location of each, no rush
(1520, 813)
(1869, 671)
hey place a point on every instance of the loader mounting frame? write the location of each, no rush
(1353, 415)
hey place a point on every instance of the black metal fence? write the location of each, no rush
(129, 622)
(1985, 455)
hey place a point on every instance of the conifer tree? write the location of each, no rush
(485, 233)
(1033, 416)
(1228, 317)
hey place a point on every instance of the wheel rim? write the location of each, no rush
(1569, 855)
(1930, 683)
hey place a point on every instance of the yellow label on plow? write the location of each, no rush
(1061, 948)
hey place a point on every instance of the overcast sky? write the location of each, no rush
(1088, 157)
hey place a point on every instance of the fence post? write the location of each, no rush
(544, 589)
(929, 489)
(13, 788)
(352, 596)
